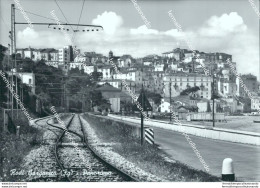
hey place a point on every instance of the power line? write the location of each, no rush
(4, 22)
(74, 34)
(63, 14)
(40, 15)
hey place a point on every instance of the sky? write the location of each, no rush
(228, 26)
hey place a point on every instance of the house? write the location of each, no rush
(255, 103)
(203, 105)
(49, 54)
(106, 71)
(118, 83)
(88, 69)
(177, 54)
(158, 67)
(26, 78)
(164, 107)
(112, 94)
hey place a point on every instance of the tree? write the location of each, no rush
(2, 55)
(96, 76)
(154, 96)
(190, 90)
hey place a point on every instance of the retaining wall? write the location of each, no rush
(197, 130)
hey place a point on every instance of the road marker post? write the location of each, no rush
(228, 170)
(18, 131)
(149, 136)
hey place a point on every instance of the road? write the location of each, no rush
(246, 157)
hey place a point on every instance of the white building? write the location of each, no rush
(182, 81)
(26, 78)
(226, 87)
(89, 69)
(255, 103)
(66, 54)
(164, 106)
(106, 72)
(158, 67)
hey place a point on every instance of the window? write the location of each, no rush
(30, 81)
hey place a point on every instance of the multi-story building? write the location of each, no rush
(81, 58)
(120, 85)
(49, 54)
(182, 81)
(226, 87)
(106, 71)
(133, 75)
(125, 61)
(250, 81)
(36, 55)
(66, 54)
(89, 69)
(217, 57)
(25, 52)
(255, 103)
(74, 65)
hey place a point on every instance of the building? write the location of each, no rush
(226, 87)
(89, 69)
(112, 94)
(125, 61)
(49, 54)
(66, 54)
(203, 105)
(255, 103)
(182, 81)
(120, 85)
(177, 54)
(26, 78)
(250, 81)
(25, 52)
(133, 75)
(106, 72)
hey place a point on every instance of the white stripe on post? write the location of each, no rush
(149, 136)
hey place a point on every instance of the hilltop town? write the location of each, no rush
(174, 77)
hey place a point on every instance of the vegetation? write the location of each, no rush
(190, 90)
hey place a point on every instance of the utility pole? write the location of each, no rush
(142, 117)
(213, 97)
(8, 92)
(170, 85)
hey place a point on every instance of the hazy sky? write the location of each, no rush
(229, 26)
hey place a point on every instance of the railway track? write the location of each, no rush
(76, 160)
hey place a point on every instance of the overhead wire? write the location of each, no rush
(74, 34)
(64, 17)
(40, 15)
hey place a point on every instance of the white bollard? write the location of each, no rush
(18, 132)
(228, 170)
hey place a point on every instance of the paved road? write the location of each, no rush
(246, 157)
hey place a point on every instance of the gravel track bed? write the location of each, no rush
(83, 166)
(40, 165)
(115, 159)
(50, 134)
(75, 126)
